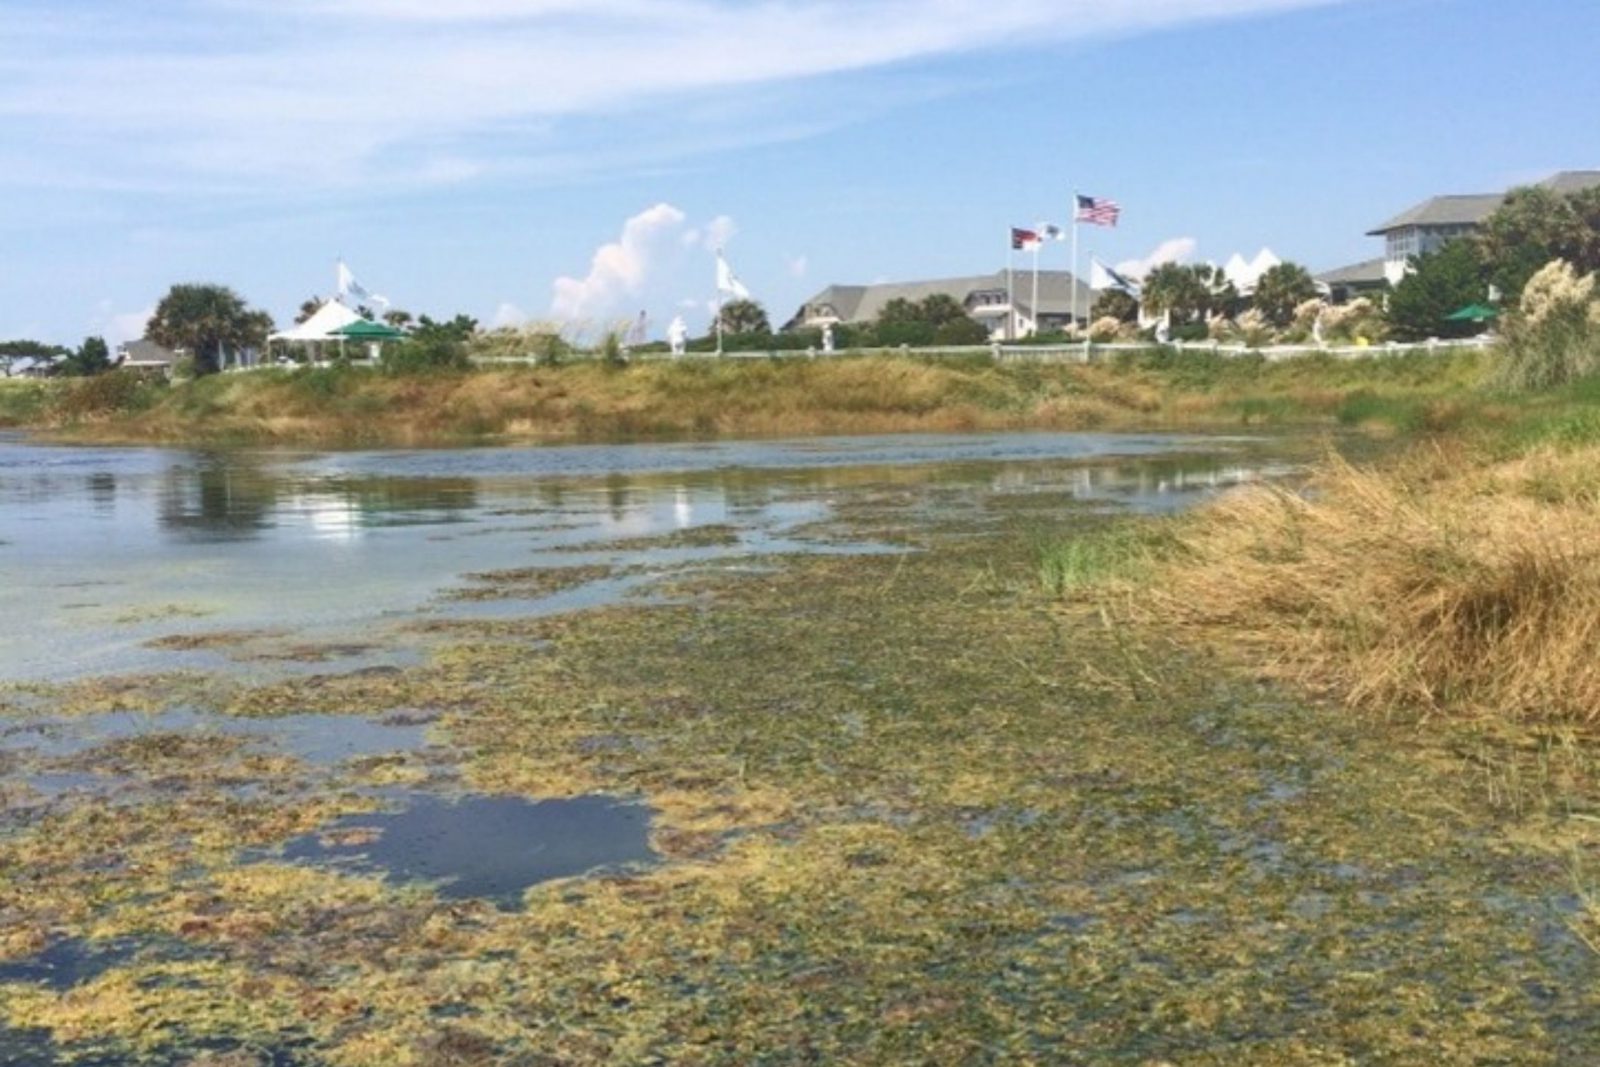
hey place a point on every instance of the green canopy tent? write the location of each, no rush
(1474, 313)
(373, 333)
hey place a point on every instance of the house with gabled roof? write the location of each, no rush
(1434, 223)
(1007, 310)
(146, 355)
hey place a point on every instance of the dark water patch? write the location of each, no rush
(484, 847)
(68, 963)
(33, 1048)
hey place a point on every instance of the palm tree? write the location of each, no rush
(206, 320)
(745, 316)
(398, 318)
(1283, 289)
(1174, 288)
(308, 308)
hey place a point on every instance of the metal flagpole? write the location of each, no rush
(719, 325)
(1074, 260)
(1011, 287)
(1036, 317)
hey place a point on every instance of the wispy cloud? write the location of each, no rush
(313, 93)
(1173, 250)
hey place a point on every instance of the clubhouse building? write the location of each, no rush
(1428, 227)
(1008, 311)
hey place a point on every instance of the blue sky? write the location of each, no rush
(579, 159)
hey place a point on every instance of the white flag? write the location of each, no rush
(1102, 277)
(348, 286)
(728, 283)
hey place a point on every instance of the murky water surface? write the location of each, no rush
(305, 556)
(322, 572)
(281, 565)
(491, 848)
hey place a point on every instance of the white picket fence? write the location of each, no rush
(1081, 352)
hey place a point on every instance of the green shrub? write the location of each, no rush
(120, 392)
(21, 402)
(425, 355)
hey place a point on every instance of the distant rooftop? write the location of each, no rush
(1367, 272)
(1471, 209)
(863, 303)
(146, 353)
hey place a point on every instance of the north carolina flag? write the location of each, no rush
(1025, 240)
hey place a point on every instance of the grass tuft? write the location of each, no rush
(1443, 584)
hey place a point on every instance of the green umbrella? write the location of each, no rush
(1474, 313)
(369, 331)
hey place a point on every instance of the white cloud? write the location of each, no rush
(1173, 250)
(118, 327)
(799, 266)
(619, 269)
(446, 91)
(508, 315)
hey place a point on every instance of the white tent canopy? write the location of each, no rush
(319, 327)
(1245, 276)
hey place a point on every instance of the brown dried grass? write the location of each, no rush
(1442, 584)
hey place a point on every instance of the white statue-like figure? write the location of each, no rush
(678, 336)
(827, 339)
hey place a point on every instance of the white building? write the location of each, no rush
(1434, 223)
(1008, 312)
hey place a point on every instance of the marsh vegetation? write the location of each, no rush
(902, 800)
(705, 398)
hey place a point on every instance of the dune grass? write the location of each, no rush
(22, 402)
(791, 397)
(1439, 584)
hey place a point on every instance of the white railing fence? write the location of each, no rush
(1078, 352)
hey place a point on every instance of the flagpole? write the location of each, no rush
(1036, 316)
(1011, 287)
(1074, 260)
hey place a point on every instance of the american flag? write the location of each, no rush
(1097, 211)
(1024, 240)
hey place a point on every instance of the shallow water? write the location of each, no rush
(1160, 851)
(492, 848)
(307, 556)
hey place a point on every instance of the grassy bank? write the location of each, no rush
(1458, 577)
(25, 403)
(708, 398)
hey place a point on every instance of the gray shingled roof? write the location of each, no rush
(1444, 211)
(862, 303)
(1572, 181)
(147, 353)
(1367, 272)
(1473, 209)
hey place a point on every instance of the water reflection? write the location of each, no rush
(231, 498)
(104, 550)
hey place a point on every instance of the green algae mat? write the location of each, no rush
(902, 808)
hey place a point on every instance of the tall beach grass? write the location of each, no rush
(1443, 584)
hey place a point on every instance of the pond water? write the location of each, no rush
(491, 848)
(293, 560)
(308, 573)
(289, 564)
